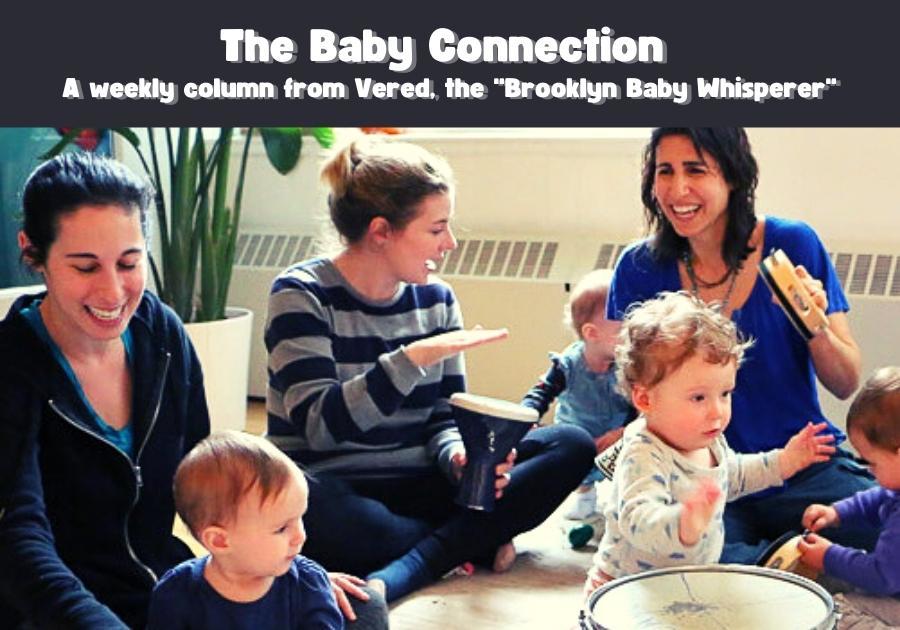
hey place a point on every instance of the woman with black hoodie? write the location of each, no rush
(101, 394)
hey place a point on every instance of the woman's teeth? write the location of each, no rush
(99, 313)
(682, 211)
(431, 265)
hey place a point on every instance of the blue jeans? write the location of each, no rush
(753, 521)
(593, 476)
(360, 526)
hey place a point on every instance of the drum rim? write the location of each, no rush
(798, 580)
(496, 407)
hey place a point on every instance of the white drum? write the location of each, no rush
(710, 597)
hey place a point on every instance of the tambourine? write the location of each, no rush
(784, 554)
(778, 272)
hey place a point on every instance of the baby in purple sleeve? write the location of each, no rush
(873, 423)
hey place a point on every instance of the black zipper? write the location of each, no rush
(134, 466)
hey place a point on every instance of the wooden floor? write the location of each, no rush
(541, 591)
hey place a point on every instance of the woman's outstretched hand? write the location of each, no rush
(431, 350)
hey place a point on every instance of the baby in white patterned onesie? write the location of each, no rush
(677, 360)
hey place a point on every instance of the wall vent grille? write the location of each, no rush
(874, 274)
(868, 274)
(491, 258)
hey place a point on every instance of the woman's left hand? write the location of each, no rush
(504, 472)
(458, 463)
(815, 287)
(343, 584)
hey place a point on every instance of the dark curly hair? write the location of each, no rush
(730, 148)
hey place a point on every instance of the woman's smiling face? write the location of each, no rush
(95, 272)
(416, 250)
(690, 189)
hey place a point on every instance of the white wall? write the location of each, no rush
(840, 180)
(582, 184)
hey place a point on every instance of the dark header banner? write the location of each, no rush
(452, 64)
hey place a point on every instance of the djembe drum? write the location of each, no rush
(490, 428)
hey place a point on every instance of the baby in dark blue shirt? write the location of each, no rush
(243, 500)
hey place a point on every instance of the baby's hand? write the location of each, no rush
(817, 517)
(593, 581)
(697, 510)
(805, 448)
(813, 548)
(608, 439)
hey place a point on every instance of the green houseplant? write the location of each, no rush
(198, 228)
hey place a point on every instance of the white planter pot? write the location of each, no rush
(10, 295)
(223, 347)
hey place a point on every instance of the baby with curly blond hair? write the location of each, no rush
(677, 360)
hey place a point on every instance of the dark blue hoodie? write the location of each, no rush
(85, 531)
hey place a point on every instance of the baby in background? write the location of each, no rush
(678, 360)
(583, 379)
(873, 424)
(243, 500)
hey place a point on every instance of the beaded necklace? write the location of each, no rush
(696, 283)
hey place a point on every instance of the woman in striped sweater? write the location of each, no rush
(364, 353)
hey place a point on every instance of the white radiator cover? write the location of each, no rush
(521, 282)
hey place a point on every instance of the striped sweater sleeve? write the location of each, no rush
(342, 392)
(444, 437)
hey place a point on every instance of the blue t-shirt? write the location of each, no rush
(123, 438)
(301, 598)
(775, 394)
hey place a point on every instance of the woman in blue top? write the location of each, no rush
(698, 191)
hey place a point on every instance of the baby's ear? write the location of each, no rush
(640, 398)
(215, 539)
(588, 331)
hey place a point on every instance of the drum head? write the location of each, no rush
(494, 407)
(707, 597)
